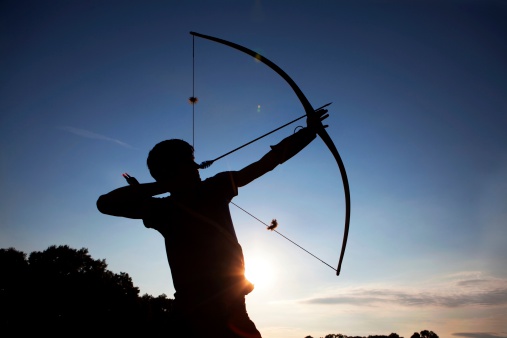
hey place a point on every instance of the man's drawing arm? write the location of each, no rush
(130, 201)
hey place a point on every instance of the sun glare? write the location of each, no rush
(260, 272)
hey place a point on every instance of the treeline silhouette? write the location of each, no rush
(422, 334)
(64, 292)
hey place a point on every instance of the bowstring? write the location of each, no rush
(193, 91)
(279, 233)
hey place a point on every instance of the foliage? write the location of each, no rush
(61, 290)
(425, 334)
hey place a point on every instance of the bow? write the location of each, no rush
(308, 109)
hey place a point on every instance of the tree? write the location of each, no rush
(71, 289)
(13, 285)
(157, 312)
(428, 334)
(62, 290)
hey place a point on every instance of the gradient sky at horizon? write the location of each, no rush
(419, 115)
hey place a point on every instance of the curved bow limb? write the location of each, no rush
(308, 109)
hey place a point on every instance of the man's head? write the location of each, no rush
(172, 159)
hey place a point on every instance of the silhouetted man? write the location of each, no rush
(204, 255)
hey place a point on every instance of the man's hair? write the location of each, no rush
(164, 155)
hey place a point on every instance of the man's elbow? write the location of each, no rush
(111, 206)
(103, 205)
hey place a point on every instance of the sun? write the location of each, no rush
(260, 272)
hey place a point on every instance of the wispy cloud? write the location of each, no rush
(457, 293)
(94, 136)
(480, 335)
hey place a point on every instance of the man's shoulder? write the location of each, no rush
(223, 181)
(221, 176)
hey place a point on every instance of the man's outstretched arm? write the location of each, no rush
(284, 150)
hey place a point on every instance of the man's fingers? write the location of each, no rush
(315, 119)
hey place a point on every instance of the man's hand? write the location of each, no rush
(130, 179)
(314, 120)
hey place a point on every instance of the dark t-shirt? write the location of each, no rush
(201, 244)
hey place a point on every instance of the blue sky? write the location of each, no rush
(419, 116)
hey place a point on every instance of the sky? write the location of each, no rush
(418, 114)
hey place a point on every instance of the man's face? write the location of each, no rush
(188, 171)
